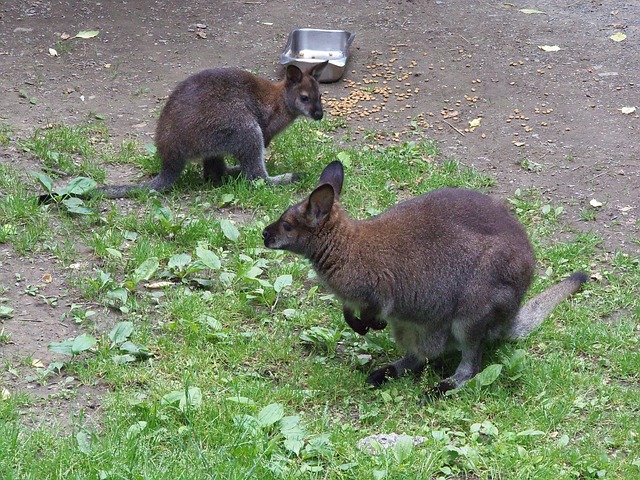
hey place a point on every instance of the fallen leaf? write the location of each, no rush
(628, 110)
(37, 363)
(87, 34)
(47, 278)
(549, 48)
(595, 203)
(519, 144)
(53, 52)
(531, 11)
(475, 122)
(5, 394)
(201, 34)
(618, 37)
(159, 285)
(65, 36)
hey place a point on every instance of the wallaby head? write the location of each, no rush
(303, 91)
(296, 229)
(447, 270)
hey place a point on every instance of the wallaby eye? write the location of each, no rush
(304, 98)
(287, 226)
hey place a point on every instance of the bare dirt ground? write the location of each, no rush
(548, 120)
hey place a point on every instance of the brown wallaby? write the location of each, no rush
(448, 270)
(227, 111)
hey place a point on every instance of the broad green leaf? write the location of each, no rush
(136, 350)
(253, 273)
(122, 359)
(113, 252)
(119, 294)
(229, 229)
(345, 158)
(208, 258)
(179, 261)
(293, 432)
(78, 186)
(76, 205)
(146, 270)
(403, 448)
(488, 375)
(87, 34)
(530, 433)
(65, 347)
(281, 282)
(136, 429)
(241, 400)
(6, 312)
(192, 398)
(121, 332)
(84, 442)
(270, 414)
(82, 342)
(44, 180)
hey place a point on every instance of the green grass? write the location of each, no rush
(261, 347)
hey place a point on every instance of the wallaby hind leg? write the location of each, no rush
(214, 169)
(468, 368)
(250, 156)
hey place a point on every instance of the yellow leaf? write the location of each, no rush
(36, 362)
(531, 11)
(549, 48)
(87, 34)
(5, 394)
(53, 52)
(628, 110)
(618, 37)
(475, 122)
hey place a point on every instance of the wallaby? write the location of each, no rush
(448, 270)
(227, 111)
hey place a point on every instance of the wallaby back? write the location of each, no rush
(228, 111)
(448, 270)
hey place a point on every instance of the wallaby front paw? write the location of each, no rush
(380, 376)
(355, 323)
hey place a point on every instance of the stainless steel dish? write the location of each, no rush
(308, 46)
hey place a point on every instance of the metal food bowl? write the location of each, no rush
(309, 46)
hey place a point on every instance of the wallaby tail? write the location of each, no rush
(160, 183)
(538, 308)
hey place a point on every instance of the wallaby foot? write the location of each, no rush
(382, 375)
(409, 363)
(284, 179)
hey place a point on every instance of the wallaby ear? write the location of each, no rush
(317, 70)
(294, 74)
(320, 203)
(333, 174)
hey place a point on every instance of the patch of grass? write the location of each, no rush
(5, 134)
(69, 150)
(253, 372)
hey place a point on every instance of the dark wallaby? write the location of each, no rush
(227, 111)
(448, 270)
